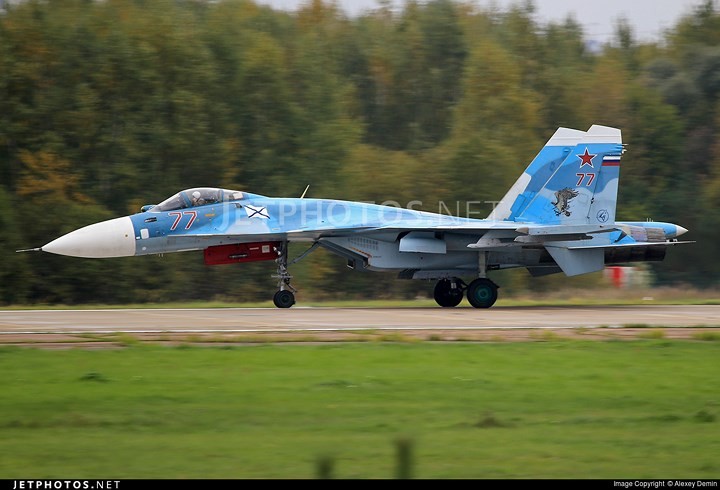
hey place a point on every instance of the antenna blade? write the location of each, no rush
(305, 191)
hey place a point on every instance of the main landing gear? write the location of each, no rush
(481, 293)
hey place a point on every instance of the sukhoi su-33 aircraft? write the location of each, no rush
(559, 216)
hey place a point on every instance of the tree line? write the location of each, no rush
(109, 105)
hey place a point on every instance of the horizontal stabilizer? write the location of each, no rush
(577, 261)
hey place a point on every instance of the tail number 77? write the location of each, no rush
(178, 216)
(590, 178)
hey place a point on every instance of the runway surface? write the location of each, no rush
(22, 326)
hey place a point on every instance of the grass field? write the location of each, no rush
(566, 409)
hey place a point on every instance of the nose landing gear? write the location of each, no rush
(284, 297)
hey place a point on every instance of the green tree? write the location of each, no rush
(494, 126)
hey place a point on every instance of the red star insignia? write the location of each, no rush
(586, 158)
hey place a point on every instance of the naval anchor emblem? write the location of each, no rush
(562, 201)
(603, 215)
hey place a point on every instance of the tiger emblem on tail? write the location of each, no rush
(562, 201)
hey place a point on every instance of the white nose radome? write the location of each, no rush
(112, 238)
(680, 230)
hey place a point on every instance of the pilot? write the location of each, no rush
(196, 199)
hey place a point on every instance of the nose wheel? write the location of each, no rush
(284, 299)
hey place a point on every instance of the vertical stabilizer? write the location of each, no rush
(573, 180)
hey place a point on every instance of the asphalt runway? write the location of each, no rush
(299, 319)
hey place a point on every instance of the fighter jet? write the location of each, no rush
(559, 216)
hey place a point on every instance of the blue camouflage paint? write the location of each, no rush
(569, 195)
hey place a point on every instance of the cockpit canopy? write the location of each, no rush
(198, 196)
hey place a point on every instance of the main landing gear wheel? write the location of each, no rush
(446, 295)
(284, 299)
(482, 293)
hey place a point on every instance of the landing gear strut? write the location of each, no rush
(285, 297)
(449, 292)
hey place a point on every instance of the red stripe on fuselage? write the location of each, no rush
(611, 163)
